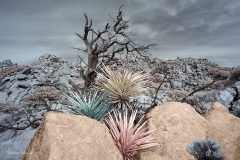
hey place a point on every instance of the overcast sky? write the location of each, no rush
(181, 28)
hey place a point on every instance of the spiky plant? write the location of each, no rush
(95, 106)
(206, 149)
(121, 86)
(130, 137)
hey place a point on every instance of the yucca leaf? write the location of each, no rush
(95, 106)
(130, 137)
(121, 86)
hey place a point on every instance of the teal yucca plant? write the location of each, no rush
(121, 86)
(130, 137)
(95, 106)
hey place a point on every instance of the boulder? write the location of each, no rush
(66, 136)
(225, 128)
(225, 98)
(178, 125)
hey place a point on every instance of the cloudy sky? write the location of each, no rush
(181, 28)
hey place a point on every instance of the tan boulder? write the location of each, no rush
(225, 128)
(71, 137)
(178, 124)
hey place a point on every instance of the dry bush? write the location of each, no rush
(201, 101)
(218, 74)
(11, 71)
(206, 149)
(162, 69)
(7, 108)
(235, 74)
(40, 95)
(177, 95)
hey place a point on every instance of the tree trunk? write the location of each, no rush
(90, 74)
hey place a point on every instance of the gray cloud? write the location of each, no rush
(183, 28)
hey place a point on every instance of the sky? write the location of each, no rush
(181, 28)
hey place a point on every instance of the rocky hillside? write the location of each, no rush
(28, 92)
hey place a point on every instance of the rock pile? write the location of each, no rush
(181, 76)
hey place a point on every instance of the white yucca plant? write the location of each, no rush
(121, 86)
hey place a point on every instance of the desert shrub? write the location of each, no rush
(201, 101)
(206, 149)
(11, 71)
(7, 108)
(93, 106)
(235, 74)
(41, 95)
(161, 69)
(130, 138)
(218, 74)
(177, 95)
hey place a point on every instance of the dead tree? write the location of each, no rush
(102, 46)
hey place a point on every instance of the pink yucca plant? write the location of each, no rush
(130, 137)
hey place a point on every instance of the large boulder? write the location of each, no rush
(178, 124)
(66, 136)
(225, 128)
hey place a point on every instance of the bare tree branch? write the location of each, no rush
(106, 43)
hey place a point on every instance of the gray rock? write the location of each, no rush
(237, 85)
(14, 149)
(40, 114)
(236, 108)
(65, 70)
(20, 97)
(4, 80)
(144, 102)
(224, 97)
(176, 84)
(3, 97)
(194, 83)
(64, 82)
(26, 71)
(4, 117)
(57, 106)
(33, 83)
(15, 93)
(232, 91)
(8, 134)
(21, 76)
(188, 69)
(24, 84)
(75, 74)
